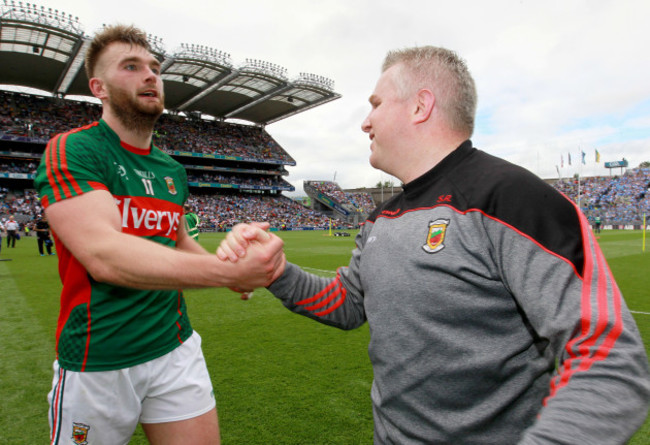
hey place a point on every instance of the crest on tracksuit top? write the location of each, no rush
(436, 236)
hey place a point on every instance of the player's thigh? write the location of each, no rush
(201, 430)
(94, 408)
(179, 386)
(180, 404)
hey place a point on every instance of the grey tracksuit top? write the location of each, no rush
(494, 318)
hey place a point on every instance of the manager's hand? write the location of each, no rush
(257, 253)
(237, 241)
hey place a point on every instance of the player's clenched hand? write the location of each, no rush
(263, 263)
(235, 244)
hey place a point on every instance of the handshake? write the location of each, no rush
(256, 255)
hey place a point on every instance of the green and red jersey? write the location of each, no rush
(102, 326)
(192, 225)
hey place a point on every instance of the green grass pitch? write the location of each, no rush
(279, 378)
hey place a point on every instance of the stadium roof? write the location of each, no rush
(44, 49)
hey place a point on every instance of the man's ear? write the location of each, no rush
(97, 87)
(424, 102)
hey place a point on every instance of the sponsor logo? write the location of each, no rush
(80, 433)
(444, 198)
(143, 216)
(144, 174)
(436, 236)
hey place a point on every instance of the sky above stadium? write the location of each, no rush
(554, 78)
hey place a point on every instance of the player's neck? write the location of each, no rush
(138, 138)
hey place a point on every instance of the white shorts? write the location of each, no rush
(105, 407)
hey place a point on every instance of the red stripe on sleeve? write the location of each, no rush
(333, 284)
(64, 191)
(335, 305)
(57, 166)
(584, 359)
(50, 167)
(336, 291)
(64, 167)
(326, 301)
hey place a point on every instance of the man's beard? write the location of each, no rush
(133, 115)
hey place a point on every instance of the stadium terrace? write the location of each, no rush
(236, 172)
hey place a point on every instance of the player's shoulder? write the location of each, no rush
(169, 161)
(162, 156)
(78, 139)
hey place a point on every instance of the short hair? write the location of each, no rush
(446, 74)
(111, 34)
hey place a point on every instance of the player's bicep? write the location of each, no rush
(86, 223)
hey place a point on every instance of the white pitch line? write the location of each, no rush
(637, 312)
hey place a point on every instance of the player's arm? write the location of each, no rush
(186, 243)
(333, 301)
(89, 226)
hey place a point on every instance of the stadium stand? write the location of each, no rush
(29, 121)
(220, 212)
(328, 196)
(618, 200)
(236, 172)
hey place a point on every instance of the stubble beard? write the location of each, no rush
(133, 115)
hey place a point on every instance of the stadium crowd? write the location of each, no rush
(269, 181)
(213, 137)
(42, 117)
(221, 212)
(12, 167)
(217, 212)
(616, 200)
